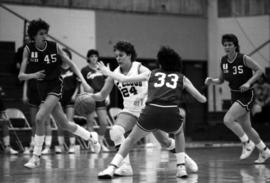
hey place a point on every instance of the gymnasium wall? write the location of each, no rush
(75, 28)
(85, 29)
(186, 34)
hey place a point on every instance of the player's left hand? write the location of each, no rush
(244, 87)
(105, 70)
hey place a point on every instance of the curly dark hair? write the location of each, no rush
(126, 47)
(231, 38)
(36, 25)
(169, 59)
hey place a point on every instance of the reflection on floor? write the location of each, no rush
(150, 165)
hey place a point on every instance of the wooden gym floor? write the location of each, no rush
(216, 165)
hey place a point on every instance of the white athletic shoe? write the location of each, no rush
(191, 164)
(124, 170)
(247, 149)
(28, 150)
(10, 150)
(107, 173)
(46, 150)
(105, 148)
(263, 156)
(59, 149)
(71, 149)
(34, 162)
(181, 171)
(93, 142)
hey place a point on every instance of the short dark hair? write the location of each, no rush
(169, 59)
(231, 38)
(126, 47)
(67, 52)
(91, 52)
(36, 25)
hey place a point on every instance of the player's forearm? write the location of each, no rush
(100, 96)
(217, 81)
(24, 76)
(255, 76)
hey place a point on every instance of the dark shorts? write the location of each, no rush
(245, 99)
(167, 119)
(66, 99)
(33, 94)
(53, 87)
(100, 105)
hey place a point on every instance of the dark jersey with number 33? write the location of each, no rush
(165, 88)
(235, 72)
(46, 59)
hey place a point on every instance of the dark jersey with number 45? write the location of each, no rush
(165, 88)
(46, 59)
(236, 72)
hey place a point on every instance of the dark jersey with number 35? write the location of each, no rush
(46, 59)
(165, 88)
(236, 72)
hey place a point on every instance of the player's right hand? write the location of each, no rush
(208, 81)
(40, 75)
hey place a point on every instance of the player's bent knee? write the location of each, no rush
(116, 133)
(228, 120)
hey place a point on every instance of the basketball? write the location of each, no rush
(84, 104)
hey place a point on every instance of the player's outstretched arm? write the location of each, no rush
(105, 91)
(143, 76)
(193, 91)
(215, 81)
(75, 69)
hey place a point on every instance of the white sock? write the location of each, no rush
(32, 143)
(48, 141)
(60, 140)
(180, 158)
(261, 146)
(72, 140)
(244, 138)
(39, 140)
(81, 132)
(118, 158)
(6, 140)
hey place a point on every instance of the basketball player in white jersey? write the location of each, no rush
(134, 95)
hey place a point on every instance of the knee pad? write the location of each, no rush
(117, 134)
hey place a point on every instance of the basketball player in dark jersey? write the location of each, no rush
(31, 98)
(165, 86)
(44, 59)
(96, 80)
(237, 69)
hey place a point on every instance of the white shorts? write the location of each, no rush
(135, 113)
